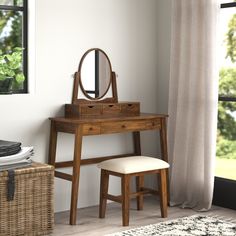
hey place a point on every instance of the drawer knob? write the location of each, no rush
(123, 126)
(91, 128)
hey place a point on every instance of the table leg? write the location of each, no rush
(164, 151)
(163, 139)
(139, 179)
(163, 192)
(136, 140)
(52, 144)
(75, 174)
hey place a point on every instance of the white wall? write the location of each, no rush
(163, 53)
(134, 33)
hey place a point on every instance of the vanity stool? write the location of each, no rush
(125, 168)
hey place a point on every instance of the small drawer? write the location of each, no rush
(122, 126)
(130, 108)
(113, 108)
(153, 124)
(91, 109)
(90, 129)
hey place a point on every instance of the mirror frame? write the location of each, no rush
(78, 83)
(80, 69)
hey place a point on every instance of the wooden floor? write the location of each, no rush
(89, 224)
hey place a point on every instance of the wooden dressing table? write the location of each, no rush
(116, 121)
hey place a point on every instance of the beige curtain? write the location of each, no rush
(193, 92)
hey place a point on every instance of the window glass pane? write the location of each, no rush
(227, 32)
(11, 2)
(226, 135)
(228, 52)
(227, 83)
(10, 30)
(226, 141)
(11, 39)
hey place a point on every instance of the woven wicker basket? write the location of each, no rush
(31, 211)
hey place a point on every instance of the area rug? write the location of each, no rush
(187, 226)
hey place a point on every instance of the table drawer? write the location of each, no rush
(90, 129)
(122, 126)
(153, 124)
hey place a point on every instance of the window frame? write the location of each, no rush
(24, 10)
(227, 5)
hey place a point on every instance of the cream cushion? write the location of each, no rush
(133, 164)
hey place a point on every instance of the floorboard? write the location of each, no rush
(88, 223)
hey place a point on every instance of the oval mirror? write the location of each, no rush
(95, 73)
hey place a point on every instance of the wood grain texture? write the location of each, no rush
(163, 192)
(76, 174)
(108, 118)
(139, 187)
(164, 152)
(125, 190)
(137, 143)
(103, 193)
(97, 125)
(114, 86)
(89, 161)
(115, 198)
(75, 87)
(52, 144)
(126, 193)
(122, 126)
(139, 179)
(90, 225)
(62, 175)
(101, 109)
(111, 108)
(91, 129)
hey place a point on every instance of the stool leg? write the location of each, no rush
(103, 193)
(125, 179)
(163, 192)
(139, 186)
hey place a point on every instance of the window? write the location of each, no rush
(226, 139)
(225, 181)
(13, 46)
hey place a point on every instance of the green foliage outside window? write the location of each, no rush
(11, 46)
(226, 138)
(10, 65)
(231, 39)
(226, 119)
(10, 21)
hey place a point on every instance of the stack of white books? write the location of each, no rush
(18, 160)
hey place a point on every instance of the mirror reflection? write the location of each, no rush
(95, 74)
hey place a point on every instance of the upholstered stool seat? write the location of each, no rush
(125, 168)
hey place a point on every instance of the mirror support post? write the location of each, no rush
(75, 87)
(114, 87)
